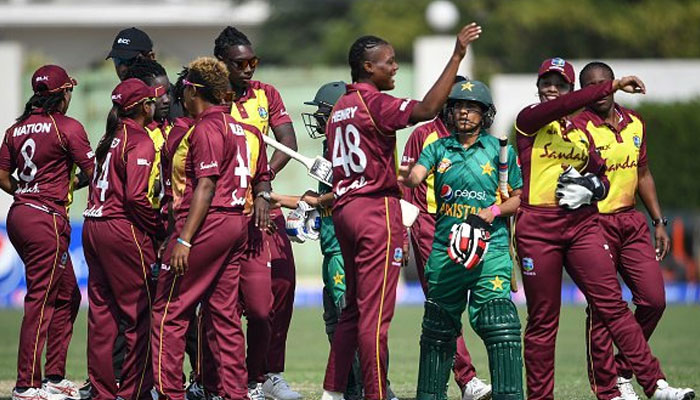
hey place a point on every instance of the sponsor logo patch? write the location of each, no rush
(446, 192)
(444, 165)
(637, 141)
(124, 41)
(142, 161)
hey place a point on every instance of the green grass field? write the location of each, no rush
(674, 343)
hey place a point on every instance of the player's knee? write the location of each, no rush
(438, 324)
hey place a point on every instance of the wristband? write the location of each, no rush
(184, 243)
(495, 210)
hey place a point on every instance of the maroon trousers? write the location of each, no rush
(255, 302)
(422, 234)
(119, 257)
(628, 236)
(212, 279)
(370, 233)
(52, 299)
(283, 286)
(547, 239)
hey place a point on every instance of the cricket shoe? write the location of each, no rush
(276, 388)
(255, 391)
(64, 387)
(36, 394)
(666, 392)
(86, 390)
(476, 389)
(195, 391)
(390, 393)
(626, 389)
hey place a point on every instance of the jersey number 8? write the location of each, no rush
(347, 152)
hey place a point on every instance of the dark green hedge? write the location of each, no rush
(673, 146)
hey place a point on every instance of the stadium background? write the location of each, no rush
(303, 44)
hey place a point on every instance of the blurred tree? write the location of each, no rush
(517, 34)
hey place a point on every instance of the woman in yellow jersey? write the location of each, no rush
(557, 224)
(620, 136)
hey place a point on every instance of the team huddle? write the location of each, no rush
(184, 236)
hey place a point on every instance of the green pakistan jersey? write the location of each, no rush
(466, 181)
(329, 242)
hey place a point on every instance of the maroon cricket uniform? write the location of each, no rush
(179, 129)
(216, 147)
(261, 107)
(44, 150)
(549, 236)
(118, 234)
(362, 144)
(627, 233)
(423, 229)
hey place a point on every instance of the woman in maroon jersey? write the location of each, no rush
(362, 143)
(119, 237)
(557, 225)
(43, 147)
(210, 170)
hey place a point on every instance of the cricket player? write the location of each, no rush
(43, 147)
(200, 262)
(620, 136)
(119, 239)
(422, 232)
(361, 136)
(267, 286)
(464, 169)
(558, 224)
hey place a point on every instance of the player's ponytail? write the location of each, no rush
(114, 120)
(49, 104)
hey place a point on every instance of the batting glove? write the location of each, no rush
(312, 225)
(469, 241)
(295, 225)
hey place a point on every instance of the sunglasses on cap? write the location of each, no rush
(243, 64)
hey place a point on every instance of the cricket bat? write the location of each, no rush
(503, 188)
(322, 170)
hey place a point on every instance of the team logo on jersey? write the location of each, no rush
(637, 141)
(398, 256)
(446, 192)
(115, 142)
(444, 165)
(262, 112)
(64, 259)
(528, 266)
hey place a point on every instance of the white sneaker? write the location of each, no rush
(255, 392)
(331, 395)
(476, 389)
(36, 394)
(666, 392)
(276, 388)
(65, 388)
(626, 389)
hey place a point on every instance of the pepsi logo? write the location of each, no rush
(446, 192)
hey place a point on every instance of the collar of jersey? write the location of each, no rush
(212, 110)
(598, 121)
(362, 86)
(453, 143)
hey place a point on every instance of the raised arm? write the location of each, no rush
(437, 95)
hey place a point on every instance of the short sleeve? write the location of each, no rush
(6, 162)
(428, 156)
(414, 146)
(643, 162)
(515, 176)
(78, 144)
(390, 113)
(206, 149)
(277, 110)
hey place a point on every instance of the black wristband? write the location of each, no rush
(662, 220)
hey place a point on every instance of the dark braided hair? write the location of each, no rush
(358, 54)
(229, 37)
(595, 65)
(179, 88)
(146, 70)
(48, 103)
(114, 118)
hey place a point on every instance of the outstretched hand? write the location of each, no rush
(630, 84)
(467, 35)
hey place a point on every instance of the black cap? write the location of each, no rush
(129, 43)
